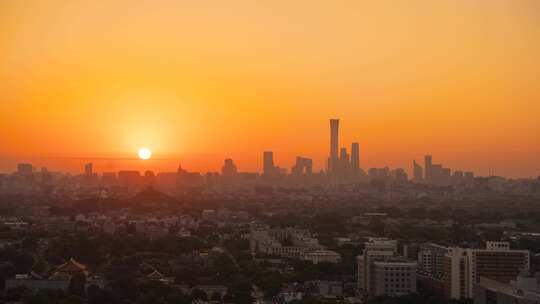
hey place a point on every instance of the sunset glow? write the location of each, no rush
(144, 153)
(457, 79)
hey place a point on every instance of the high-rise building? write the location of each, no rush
(89, 169)
(25, 169)
(463, 268)
(303, 166)
(268, 163)
(343, 155)
(417, 172)
(334, 144)
(355, 158)
(428, 162)
(229, 168)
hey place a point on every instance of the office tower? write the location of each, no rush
(89, 169)
(308, 166)
(417, 172)
(463, 268)
(268, 163)
(428, 162)
(380, 272)
(334, 144)
(355, 158)
(399, 176)
(343, 156)
(25, 169)
(343, 163)
(303, 166)
(431, 259)
(229, 168)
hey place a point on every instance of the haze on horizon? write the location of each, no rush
(199, 81)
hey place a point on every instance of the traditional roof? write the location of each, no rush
(69, 268)
(155, 275)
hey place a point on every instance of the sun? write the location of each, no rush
(144, 153)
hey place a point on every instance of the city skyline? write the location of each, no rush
(454, 79)
(341, 160)
(342, 167)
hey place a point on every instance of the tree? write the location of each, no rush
(216, 296)
(198, 294)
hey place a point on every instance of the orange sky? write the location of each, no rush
(204, 80)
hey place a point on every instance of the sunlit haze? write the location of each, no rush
(200, 81)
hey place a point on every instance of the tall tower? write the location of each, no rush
(417, 172)
(268, 162)
(334, 144)
(427, 167)
(355, 158)
(89, 169)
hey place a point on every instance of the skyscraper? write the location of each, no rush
(88, 169)
(427, 167)
(334, 144)
(355, 158)
(229, 168)
(417, 172)
(303, 166)
(268, 162)
(343, 156)
(25, 169)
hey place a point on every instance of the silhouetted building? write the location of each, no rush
(417, 172)
(188, 180)
(334, 145)
(89, 169)
(268, 162)
(399, 175)
(428, 162)
(229, 168)
(269, 170)
(303, 166)
(25, 169)
(355, 158)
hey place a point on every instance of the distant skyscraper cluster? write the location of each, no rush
(344, 165)
(436, 174)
